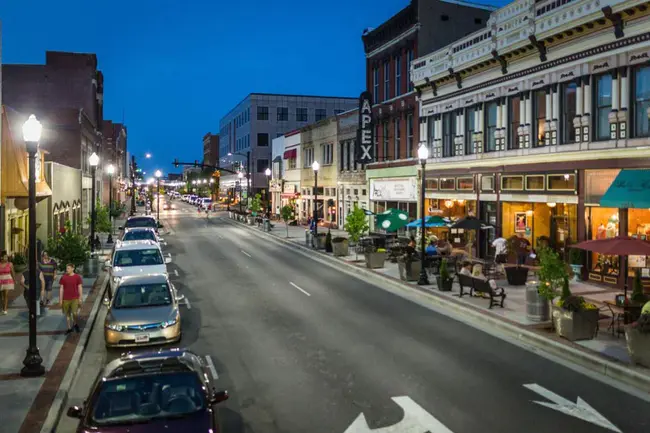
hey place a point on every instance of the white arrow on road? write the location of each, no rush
(416, 420)
(581, 409)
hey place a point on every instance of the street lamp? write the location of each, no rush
(315, 166)
(423, 155)
(147, 155)
(240, 175)
(248, 171)
(94, 162)
(267, 172)
(110, 170)
(158, 174)
(33, 363)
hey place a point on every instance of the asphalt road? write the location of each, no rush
(304, 348)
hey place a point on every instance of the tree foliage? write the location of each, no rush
(102, 219)
(356, 224)
(286, 213)
(552, 273)
(69, 247)
(255, 205)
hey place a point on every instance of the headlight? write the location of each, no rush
(116, 280)
(115, 327)
(169, 323)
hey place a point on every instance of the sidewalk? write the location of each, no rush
(26, 402)
(606, 352)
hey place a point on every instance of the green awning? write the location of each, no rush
(630, 189)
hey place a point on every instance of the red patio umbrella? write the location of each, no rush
(617, 246)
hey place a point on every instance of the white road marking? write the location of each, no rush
(415, 420)
(176, 272)
(220, 237)
(581, 409)
(187, 304)
(297, 287)
(213, 370)
(246, 254)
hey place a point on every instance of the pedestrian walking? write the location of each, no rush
(48, 268)
(40, 288)
(7, 280)
(70, 295)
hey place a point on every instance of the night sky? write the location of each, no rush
(173, 68)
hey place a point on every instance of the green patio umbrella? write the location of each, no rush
(392, 220)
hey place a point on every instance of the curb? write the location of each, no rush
(531, 340)
(61, 398)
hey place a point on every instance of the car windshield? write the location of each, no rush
(139, 235)
(142, 295)
(146, 397)
(145, 257)
(141, 222)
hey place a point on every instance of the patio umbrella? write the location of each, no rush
(430, 222)
(392, 220)
(470, 223)
(617, 246)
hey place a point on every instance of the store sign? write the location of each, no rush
(365, 145)
(289, 188)
(394, 189)
(275, 185)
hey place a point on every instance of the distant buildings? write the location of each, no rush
(210, 149)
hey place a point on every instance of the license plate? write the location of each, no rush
(142, 338)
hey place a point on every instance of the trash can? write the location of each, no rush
(267, 225)
(308, 238)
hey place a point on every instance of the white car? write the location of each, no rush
(205, 203)
(135, 258)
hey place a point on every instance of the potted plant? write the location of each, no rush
(340, 246)
(539, 294)
(576, 260)
(20, 263)
(444, 279)
(637, 336)
(328, 241)
(375, 258)
(356, 224)
(516, 275)
(573, 317)
(409, 266)
(69, 246)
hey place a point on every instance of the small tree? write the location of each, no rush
(69, 247)
(255, 205)
(102, 218)
(552, 273)
(286, 213)
(117, 209)
(356, 224)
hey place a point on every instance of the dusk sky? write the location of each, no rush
(174, 67)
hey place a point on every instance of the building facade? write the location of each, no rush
(351, 177)
(291, 173)
(210, 149)
(251, 126)
(114, 153)
(531, 119)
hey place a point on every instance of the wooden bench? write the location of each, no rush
(479, 285)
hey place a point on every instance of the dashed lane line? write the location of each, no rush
(298, 287)
(246, 254)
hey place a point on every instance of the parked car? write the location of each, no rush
(205, 203)
(141, 234)
(135, 258)
(144, 311)
(141, 221)
(168, 206)
(164, 391)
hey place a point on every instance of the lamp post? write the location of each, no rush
(94, 161)
(158, 174)
(248, 177)
(315, 166)
(423, 155)
(240, 175)
(110, 170)
(267, 172)
(33, 363)
(133, 186)
(212, 195)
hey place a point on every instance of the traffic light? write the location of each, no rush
(176, 162)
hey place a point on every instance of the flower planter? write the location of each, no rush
(409, 271)
(341, 248)
(517, 275)
(577, 272)
(573, 326)
(251, 220)
(537, 307)
(638, 346)
(444, 285)
(320, 241)
(375, 260)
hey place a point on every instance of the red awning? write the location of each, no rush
(290, 154)
(290, 195)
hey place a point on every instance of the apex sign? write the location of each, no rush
(365, 147)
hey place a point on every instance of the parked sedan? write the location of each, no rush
(166, 391)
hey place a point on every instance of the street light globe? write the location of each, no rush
(423, 153)
(267, 172)
(240, 175)
(211, 180)
(158, 173)
(110, 169)
(193, 182)
(315, 166)
(93, 160)
(205, 181)
(147, 155)
(32, 129)
(229, 153)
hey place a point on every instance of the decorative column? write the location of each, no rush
(613, 115)
(529, 119)
(556, 114)
(522, 123)
(624, 97)
(579, 110)
(460, 127)
(504, 123)
(497, 131)
(479, 133)
(549, 117)
(437, 131)
(586, 116)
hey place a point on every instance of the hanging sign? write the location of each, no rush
(365, 147)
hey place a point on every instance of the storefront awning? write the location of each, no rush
(630, 189)
(15, 174)
(290, 154)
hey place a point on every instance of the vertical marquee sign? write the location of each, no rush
(365, 148)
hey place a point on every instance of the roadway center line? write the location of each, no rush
(297, 287)
(211, 367)
(246, 254)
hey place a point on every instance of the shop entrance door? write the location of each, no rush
(488, 214)
(559, 233)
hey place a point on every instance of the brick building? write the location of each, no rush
(114, 152)
(210, 149)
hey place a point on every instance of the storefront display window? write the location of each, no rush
(639, 227)
(512, 183)
(603, 224)
(561, 182)
(535, 183)
(543, 224)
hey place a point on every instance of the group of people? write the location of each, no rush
(440, 247)
(70, 287)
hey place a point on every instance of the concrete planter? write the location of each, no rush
(320, 241)
(444, 285)
(537, 307)
(341, 248)
(573, 326)
(638, 346)
(409, 271)
(517, 275)
(375, 260)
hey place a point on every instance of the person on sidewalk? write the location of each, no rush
(48, 268)
(7, 280)
(40, 288)
(70, 296)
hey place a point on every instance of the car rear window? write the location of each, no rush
(141, 222)
(139, 235)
